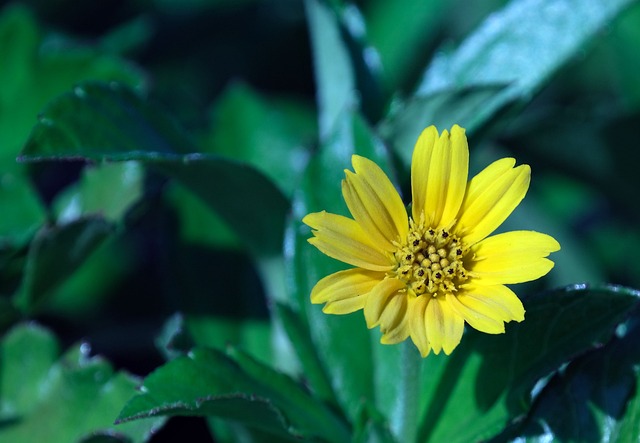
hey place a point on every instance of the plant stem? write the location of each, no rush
(410, 400)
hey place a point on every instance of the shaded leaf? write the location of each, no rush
(110, 122)
(600, 390)
(54, 254)
(488, 381)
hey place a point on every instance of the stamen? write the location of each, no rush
(430, 260)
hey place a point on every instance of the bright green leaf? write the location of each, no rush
(270, 134)
(109, 190)
(75, 398)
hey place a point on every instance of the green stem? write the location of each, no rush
(410, 393)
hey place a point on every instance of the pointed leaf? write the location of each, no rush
(208, 382)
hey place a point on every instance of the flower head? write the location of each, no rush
(425, 274)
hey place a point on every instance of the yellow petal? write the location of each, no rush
(477, 319)
(420, 161)
(378, 298)
(417, 326)
(512, 257)
(444, 325)
(345, 285)
(496, 301)
(394, 322)
(394, 212)
(446, 178)
(343, 239)
(368, 202)
(491, 197)
(346, 306)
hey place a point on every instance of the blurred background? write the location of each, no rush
(238, 75)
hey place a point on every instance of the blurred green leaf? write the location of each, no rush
(110, 122)
(253, 335)
(269, 134)
(33, 73)
(54, 254)
(371, 427)
(400, 30)
(443, 109)
(488, 382)
(174, 339)
(508, 50)
(23, 213)
(234, 386)
(108, 190)
(312, 366)
(600, 389)
(106, 438)
(334, 72)
(69, 400)
(28, 352)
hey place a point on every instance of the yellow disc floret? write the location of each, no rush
(430, 261)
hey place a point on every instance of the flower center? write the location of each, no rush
(430, 261)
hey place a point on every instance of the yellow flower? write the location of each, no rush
(423, 276)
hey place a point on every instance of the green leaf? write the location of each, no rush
(488, 382)
(110, 122)
(402, 47)
(234, 386)
(174, 340)
(521, 46)
(108, 189)
(54, 254)
(334, 72)
(24, 212)
(342, 342)
(28, 352)
(371, 427)
(465, 107)
(32, 74)
(198, 223)
(312, 366)
(270, 134)
(511, 56)
(73, 399)
(599, 388)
